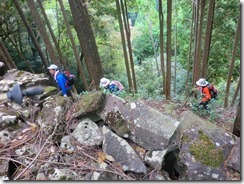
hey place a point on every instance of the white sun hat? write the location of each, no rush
(52, 67)
(104, 82)
(202, 82)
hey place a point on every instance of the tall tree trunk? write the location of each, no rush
(236, 93)
(168, 50)
(80, 69)
(42, 29)
(195, 63)
(63, 62)
(87, 39)
(124, 45)
(175, 51)
(232, 62)
(161, 24)
(199, 40)
(189, 53)
(127, 32)
(237, 122)
(208, 38)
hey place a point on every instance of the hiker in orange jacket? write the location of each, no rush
(204, 90)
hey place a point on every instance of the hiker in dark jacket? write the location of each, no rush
(61, 80)
(204, 90)
(113, 86)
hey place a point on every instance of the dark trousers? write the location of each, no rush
(204, 104)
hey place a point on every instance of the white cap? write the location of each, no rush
(104, 82)
(52, 67)
(202, 82)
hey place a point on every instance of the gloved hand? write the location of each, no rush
(194, 89)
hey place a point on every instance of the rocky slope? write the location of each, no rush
(103, 137)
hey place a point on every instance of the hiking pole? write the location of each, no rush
(16, 95)
(188, 98)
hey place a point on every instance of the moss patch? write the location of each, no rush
(205, 151)
(90, 102)
(20, 73)
(185, 138)
(49, 89)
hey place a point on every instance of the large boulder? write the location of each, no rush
(142, 124)
(203, 153)
(24, 79)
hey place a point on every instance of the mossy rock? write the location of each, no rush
(205, 151)
(88, 103)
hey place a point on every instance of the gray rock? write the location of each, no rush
(203, 152)
(155, 159)
(88, 133)
(63, 174)
(233, 160)
(142, 124)
(122, 153)
(66, 144)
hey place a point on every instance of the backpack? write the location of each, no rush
(70, 78)
(213, 91)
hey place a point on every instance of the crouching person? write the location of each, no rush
(112, 86)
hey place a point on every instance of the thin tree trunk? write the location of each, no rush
(190, 52)
(124, 44)
(127, 31)
(195, 66)
(161, 23)
(232, 62)
(80, 69)
(208, 38)
(149, 24)
(168, 49)
(42, 29)
(175, 51)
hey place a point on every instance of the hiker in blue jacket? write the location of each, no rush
(61, 80)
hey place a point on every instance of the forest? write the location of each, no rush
(157, 49)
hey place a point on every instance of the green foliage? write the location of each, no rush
(208, 113)
(142, 46)
(104, 22)
(148, 82)
(121, 94)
